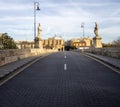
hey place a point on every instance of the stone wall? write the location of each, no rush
(11, 55)
(112, 52)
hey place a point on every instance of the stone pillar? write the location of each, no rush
(97, 43)
(38, 43)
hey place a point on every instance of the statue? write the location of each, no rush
(96, 29)
(97, 43)
(39, 30)
(38, 40)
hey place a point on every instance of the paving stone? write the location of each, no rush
(113, 61)
(85, 83)
(6, 69)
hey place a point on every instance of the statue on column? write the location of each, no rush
(38, 40)
(96, 29)
(97, 43)
(39, 31)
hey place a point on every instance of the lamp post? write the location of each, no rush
(82, 26)
(36, 7)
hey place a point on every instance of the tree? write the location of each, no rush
(6, 42)
(107, 45)
(117, 42)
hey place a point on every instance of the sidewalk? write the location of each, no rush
(111, 61)
(7, 69)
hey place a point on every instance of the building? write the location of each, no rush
(24, 44)
(85, 43)
(81, 42)
(50, 43)
(55, 42)
(37, 43)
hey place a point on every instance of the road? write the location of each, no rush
(63, 79)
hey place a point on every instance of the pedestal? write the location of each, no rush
(38, 43)
(97, 42)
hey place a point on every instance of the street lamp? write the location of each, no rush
(36, 7)
(82, 26)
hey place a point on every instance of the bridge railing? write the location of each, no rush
(112, 52)
(11, 55)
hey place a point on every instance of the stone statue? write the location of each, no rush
(39, 30)
(38, 40)
(96, 29)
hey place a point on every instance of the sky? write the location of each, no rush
(61, 18)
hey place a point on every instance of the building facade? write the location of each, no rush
(25, 44)
(55, 42)
(81, 42)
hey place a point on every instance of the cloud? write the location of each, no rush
(13, 6)
(15, 18)
(113, 30)
(60, 17)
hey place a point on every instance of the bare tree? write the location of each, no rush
(117, 42)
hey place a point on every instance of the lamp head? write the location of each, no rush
(38, 8)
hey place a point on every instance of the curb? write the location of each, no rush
(17, 70)
(107, 64)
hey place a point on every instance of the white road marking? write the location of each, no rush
(65, 67)
(65, 56)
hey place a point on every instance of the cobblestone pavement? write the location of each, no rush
(63, 79)
(9, 68)
(113, 61)
(4, 70)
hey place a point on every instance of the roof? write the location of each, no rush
(56, 37)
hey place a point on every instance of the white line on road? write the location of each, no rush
(65, 67)
(65, 56)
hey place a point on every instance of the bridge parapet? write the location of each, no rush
(112, 52)
(11, 55)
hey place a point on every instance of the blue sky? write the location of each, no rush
(61, 17)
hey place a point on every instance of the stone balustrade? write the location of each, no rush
(11, 55)
(112, 52)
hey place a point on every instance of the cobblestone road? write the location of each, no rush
(64, 79)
